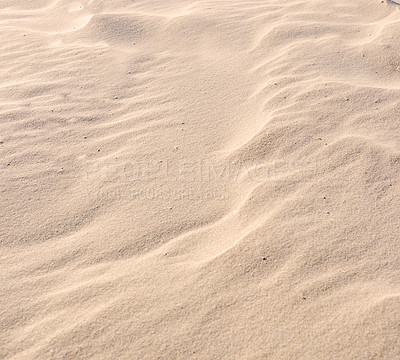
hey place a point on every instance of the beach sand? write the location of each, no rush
(200, 179)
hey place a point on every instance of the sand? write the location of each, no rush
(200, 179)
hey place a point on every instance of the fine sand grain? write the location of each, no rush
(211, 179)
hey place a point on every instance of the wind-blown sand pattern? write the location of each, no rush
(200, 179)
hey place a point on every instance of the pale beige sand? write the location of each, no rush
(200, 179)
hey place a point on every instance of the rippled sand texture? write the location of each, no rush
(200, 179)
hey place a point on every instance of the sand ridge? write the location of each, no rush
(199, 179)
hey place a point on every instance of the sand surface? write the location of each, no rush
(200, 179)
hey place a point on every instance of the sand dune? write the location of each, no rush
(200, 179)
